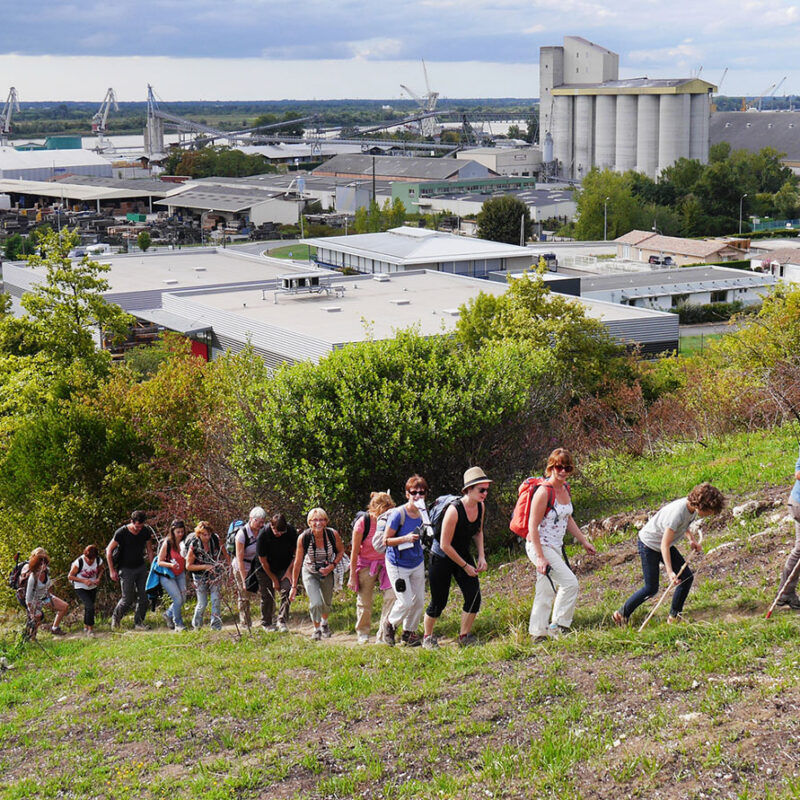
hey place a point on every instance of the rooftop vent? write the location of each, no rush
(453, 312)
(400, 301)
(380, 277)
(331, 309)
(171, 281)
(199, 269)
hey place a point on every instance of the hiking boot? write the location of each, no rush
(541, 637)
(388, 633)
(558, 630)
(793, 601)
(619, 619)
(467, 640)
(270, 628)
(412, 639)
(430, 642)
(88, 632)
(168, 619)
(676, 619)
(317, 635)
(282, 627)
(141, 626)
(325, 630)
(114, 624)
(57, 632)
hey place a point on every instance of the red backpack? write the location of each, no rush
(522, 510)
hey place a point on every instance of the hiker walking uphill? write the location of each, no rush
(245, 562)
(125, 555)
(405, 566)
(791, 572)
(38, 593)
(368, 567)
(319, 550)
(85, 573)
(206, 560)
(276, 547)
(656, 543)
(549, 519)
(462, 523)
(171, 570)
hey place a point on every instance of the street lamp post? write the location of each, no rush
(605, 219)
(740, 211)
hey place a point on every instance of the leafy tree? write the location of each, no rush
(787, 201)
(17, 246)
(502, 219)
(144, 241)
(582, 350)
(606, 196)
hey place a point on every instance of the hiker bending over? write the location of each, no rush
(405, 566)
(788, 596)
(246, 561)
(125, 555)
(276, 546)
(207, 560)
(550, 518)
(319, 550)
(657, 541)
(85, 573)
(462, 523)
(38, 594)
(368, 568)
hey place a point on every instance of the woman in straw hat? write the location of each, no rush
(451, 558)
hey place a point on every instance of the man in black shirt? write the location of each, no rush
(125, 556)
(275, 548)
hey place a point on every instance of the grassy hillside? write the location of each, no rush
(707, 709)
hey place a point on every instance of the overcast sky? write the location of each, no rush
(274, 49)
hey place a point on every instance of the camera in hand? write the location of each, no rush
(425, 530)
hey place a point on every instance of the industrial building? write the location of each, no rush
(521, 161)
(44, 165)
(752, 131)
(591, 118)
(406, 248)
(666, 289)
(401, 168)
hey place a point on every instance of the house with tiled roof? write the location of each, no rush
(783, 263)
(644, 245)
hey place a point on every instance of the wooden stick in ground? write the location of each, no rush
(663, 596)
(783, 586)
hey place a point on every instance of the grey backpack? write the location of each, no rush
(379, 537)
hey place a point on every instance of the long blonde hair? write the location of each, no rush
(379, 502)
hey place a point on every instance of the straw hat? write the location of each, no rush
(474, 475)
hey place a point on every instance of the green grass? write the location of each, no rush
(298, 252)
(695, 345)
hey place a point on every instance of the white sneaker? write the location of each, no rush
(363, 638)
(430, 642)
(282, 627)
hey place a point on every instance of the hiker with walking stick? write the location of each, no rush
(657, 541)
(788, 594)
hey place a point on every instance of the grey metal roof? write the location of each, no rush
(751, 130)
(273, 182)
(218, 198)
(144, 185)
(685, 276)
(411, 167)
(171, 321)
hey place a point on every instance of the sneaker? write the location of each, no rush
(793, 601)
(363, 638)
(619, 619)
(88, 632)
(114, 624)
(270, 628)
(558, 630)
(467, 640)
(179, 628)
(430, 643)
(541, 637)
(168, 619)
(677, 619)
(317, 635)
(388, 633)
(282, 627)
(412, 639)
(141, 626)
(57, 632)
(325, 630)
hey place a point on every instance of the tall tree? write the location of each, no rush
(605, 201)
(503, 219)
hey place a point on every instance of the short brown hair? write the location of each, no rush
(705, 497)
(91, 551)
(560, 456)
(416, 482)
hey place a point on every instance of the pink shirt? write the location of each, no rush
(367, 552)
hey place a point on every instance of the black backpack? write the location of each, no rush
(15, 580)
(308, 540)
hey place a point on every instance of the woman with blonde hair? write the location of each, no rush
(368, 567)
(550, 519)
(319, 550)
(206, 559)
(38, 594)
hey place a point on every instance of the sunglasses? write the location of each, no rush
(485, 490)
(562, 468)
(420, 492)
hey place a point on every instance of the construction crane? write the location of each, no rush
(772, 91)
(427, 103)
(12, 104)
(100, 119)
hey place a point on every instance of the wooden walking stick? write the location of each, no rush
(663, 596)
(783, 586)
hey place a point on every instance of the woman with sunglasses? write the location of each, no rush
(451, 558)
(405, 566)
(550, 519)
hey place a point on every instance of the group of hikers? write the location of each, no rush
(387, 554)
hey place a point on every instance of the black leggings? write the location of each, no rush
(87, 597)
(440, 572)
